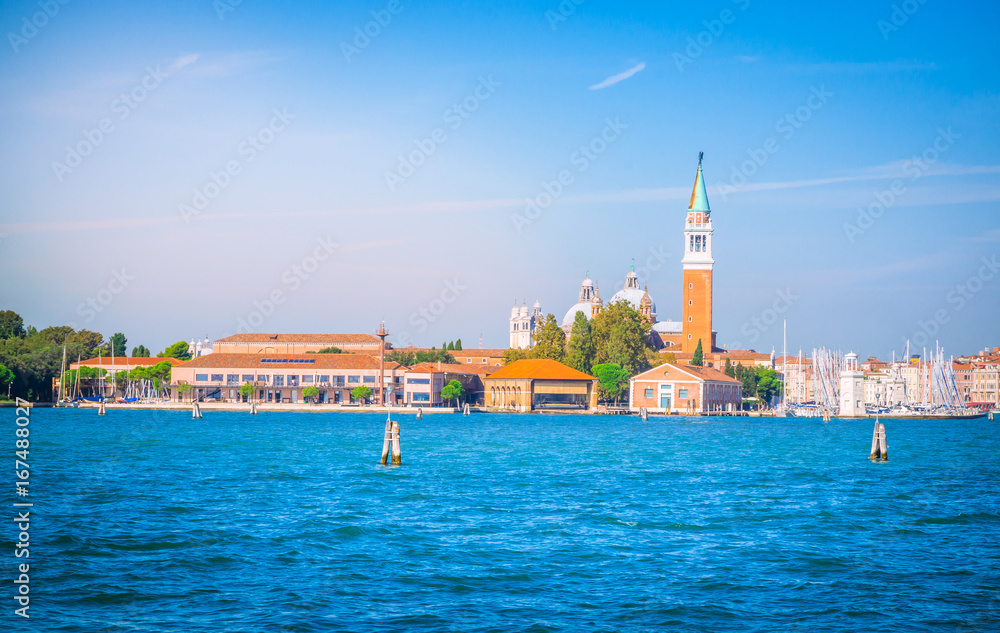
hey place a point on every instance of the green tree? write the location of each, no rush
(513, 354)
(749, 379)
(183, 389)
(451, 346)
(458, 345)
(613, 380)
(6, 377)
(768, 384)
(669, 357)
(118, 344)
(140, 351)
(729, 371)
(406, 359)
(550, 340)
(699, 356)
(178, 350)
(361, 393)
(11, 325)
(453, 391)
(311, 392)
(580, 349)
(621, 336)
(246, 390)
(330, 350)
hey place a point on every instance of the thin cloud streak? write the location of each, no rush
(612, 80)
(882, 172)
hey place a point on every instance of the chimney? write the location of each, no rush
(439, 365)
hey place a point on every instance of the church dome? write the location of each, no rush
(524, 309)
(584, 307)
(513, 311)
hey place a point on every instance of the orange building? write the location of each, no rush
(698, 267)
(684, 389)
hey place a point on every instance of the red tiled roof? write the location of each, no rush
(129, 361)
(316, 339)
(487, 353)
(255, 361)
(705, 373)
(539, 369)
(449, 368)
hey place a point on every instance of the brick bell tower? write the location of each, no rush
(698, 265)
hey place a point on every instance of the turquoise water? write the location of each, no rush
(151, 521)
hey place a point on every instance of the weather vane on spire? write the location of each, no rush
(701, 155)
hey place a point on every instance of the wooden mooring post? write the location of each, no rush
(253, 408)
(466, 410)
(420, 413)
(196, 412)
(100, 408)
(990, 416)
(880, 447)
(390, 442)
(644, 414)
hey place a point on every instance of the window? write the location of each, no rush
(421, 397)
(293, 381)
(279, 381)
(369, 379)
(354, 379)
(307, 379)
(418, 381)
(682, 392)
(216, 377)
(232, 379)
(648, 393)
(690, 320)
(262, 378)
(690, 286)
(689, 337)
(201, 377)
(247, 377)
(690, 302)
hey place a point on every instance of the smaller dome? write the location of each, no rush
(513, 311)
(538, 304)
(524, 309)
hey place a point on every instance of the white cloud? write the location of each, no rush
(612, 80)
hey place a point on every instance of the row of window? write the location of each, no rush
(279, 380)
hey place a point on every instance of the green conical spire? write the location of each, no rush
(699, 197)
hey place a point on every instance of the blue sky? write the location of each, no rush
(260, 172)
